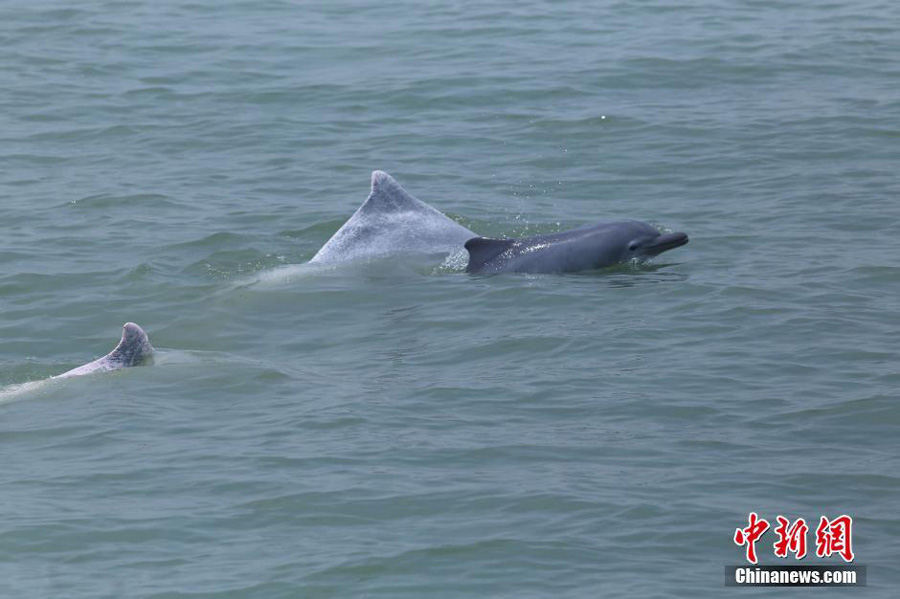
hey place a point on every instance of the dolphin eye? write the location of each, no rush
(632, 246)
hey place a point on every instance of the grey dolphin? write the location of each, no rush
(585, 248)
(134, 349)
(392, 222)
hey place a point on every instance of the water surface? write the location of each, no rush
(406, 430)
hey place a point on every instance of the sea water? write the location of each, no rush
(402, 429)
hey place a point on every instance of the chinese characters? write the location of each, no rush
(832, 537)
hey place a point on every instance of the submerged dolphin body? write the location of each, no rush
(392, 222)
(586, 248)
(134, 349)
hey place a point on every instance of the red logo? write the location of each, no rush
(832, 536)
(791, 539)
(748, 536)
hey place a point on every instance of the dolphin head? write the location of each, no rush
(645, 241)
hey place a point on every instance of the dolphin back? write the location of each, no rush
(134, 349)
(482, 250)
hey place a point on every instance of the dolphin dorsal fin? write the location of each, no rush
(482, 250)
(391, 222)
(388, 196)
(134, 348)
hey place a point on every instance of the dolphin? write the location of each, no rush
(585, 248)
(392, 222)
(134, 349)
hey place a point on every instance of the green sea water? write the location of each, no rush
(402, 430)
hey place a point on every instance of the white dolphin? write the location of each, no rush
(134, 349)
(392, 222)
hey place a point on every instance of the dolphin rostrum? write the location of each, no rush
(134, 349)
(392, 222)
(585, 248)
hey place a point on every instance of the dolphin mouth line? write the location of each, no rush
(668, 241)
